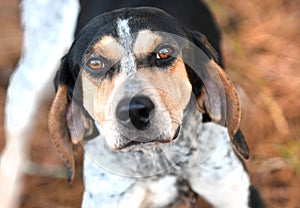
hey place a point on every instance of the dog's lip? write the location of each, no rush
(134, 143)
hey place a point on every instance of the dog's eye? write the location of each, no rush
(95, 64)
(164, 53)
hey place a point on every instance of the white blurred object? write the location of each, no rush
(48, 27)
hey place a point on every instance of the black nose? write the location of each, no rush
(135, 111)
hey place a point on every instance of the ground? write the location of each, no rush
(261, 44)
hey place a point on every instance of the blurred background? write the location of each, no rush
(261, 45)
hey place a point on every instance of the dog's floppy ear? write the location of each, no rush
(210, 102)
(59, 129)
(216, 96)
(68, 124)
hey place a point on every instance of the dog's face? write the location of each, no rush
(135, 87)
(126, 73)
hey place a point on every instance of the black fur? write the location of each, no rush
(193, 14)
(255, 200)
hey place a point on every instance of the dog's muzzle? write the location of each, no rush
(140, 122)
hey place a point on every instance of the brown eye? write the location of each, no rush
(95, 64)
(164, 53)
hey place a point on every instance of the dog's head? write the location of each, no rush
(132, 73)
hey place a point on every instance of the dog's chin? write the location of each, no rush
(140, 145)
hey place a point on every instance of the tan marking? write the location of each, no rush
(96, 95)
(173, 87)
(146, 42)
(108, 47)
(89, 88)
(182, 85)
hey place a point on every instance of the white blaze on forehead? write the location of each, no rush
(128, 64)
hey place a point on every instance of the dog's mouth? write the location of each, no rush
(135, 144)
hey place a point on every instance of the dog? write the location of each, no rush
(58, 19)
(147, 98)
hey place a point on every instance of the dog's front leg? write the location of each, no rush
(48, 31)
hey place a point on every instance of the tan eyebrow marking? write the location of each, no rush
(146, 42)
(108, 47)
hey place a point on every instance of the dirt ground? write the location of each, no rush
(261, 43)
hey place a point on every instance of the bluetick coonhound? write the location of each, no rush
(147, 98)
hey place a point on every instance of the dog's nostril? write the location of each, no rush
(136, 111)
(122, 113)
